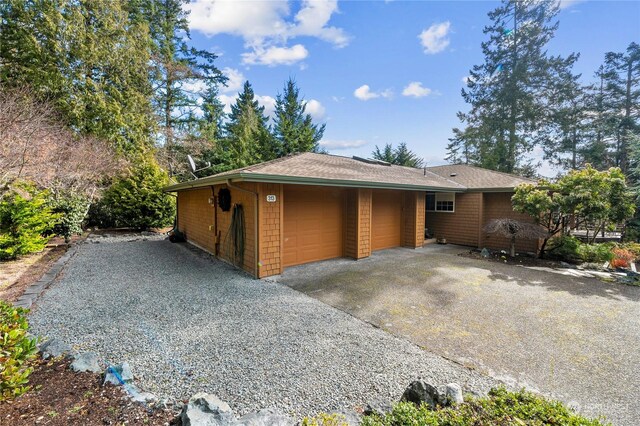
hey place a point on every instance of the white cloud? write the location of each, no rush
(416, 89)
(364, 93)
(315, 109)
(565, 4)
(267, 26)
(341, 144)
(434, 39)
(227, 101)
(272, 56)
(269, 104)
(235, 80)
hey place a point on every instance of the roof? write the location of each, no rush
(476, 178)
(332, 170)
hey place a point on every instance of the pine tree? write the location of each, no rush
(180, 75)
(622, 75)
(247, 134)
(293, 129)
(401, 155)
(599, 122)
(386, 154)
(565, 138)
(508, 92)
(89, 58)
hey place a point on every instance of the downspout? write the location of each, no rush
(216, 243)
(255, 222)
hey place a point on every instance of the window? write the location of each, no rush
(440, 201)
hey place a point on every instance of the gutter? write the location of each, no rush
(255, 223)
(297, 180)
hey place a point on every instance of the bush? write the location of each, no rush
(566, 248)
(136, 201)
(16, 351)
(324, 419)
(501, 407)
(634, 248)
(25, 219)
(72, 210)
(622, 258)
(595, 253)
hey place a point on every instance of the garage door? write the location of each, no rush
(386, 219)
(312, 224)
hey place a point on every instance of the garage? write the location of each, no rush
(386, 219)
(312, 224)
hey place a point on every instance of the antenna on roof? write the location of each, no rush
(192, 165)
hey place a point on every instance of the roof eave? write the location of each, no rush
(297, 180)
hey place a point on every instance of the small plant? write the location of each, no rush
(595, 253)
(17, 349)
(324, 419)
(25, 219)
(565, 247)
(622, 258)
(72, 210)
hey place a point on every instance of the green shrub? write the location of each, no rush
(16, 351)
(566, 248)
(596, 253)
(25, 219)
(72, 210)
(501, 407)
(136, 201)
(324, 419)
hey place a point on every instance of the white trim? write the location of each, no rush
(447, 196)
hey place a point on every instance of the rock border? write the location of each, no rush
(31, 294)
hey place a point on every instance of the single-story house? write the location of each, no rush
(310, 207)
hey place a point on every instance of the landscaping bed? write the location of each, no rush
(59, 396)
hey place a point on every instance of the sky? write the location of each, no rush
(380, 72)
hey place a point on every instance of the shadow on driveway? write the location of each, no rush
(576, 339)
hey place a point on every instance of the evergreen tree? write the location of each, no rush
(89, 58)
(565, 139)
(508, 92)
(248, 140)
(386, 154)
(401, 155)
(600, 122)
(622, 76)
(293, 130)
(180, 75)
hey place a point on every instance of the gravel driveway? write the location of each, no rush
(187, 323)
(576, 339)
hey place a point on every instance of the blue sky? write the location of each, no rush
(384, 71)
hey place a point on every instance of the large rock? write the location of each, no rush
(117, 374)
(204, 409)
(266, 417)
(350, 417)
(420, 392)
(54, 348)
(453, 394)
(87, 361)
(379, 407)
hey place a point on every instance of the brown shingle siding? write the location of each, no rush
(498, 206)
(460, 226)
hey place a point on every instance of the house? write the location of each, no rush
(310, 207)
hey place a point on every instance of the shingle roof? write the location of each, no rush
(477, 178)
(323, 169)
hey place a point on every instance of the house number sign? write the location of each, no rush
(271, 198)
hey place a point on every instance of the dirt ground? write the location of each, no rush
(17, 275)
(61, 397)
(568, 337)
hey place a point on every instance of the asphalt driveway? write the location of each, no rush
(187, 323)
(577, 339)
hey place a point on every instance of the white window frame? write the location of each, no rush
(442, 197)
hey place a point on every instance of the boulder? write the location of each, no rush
(204, 409)
(87, 361)
(116, 374)
(350, 417)
(378, 406)
(420, 392)
(266, 417)
(54, 348)
(453, 393)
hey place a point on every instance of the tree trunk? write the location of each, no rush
(512, 249)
